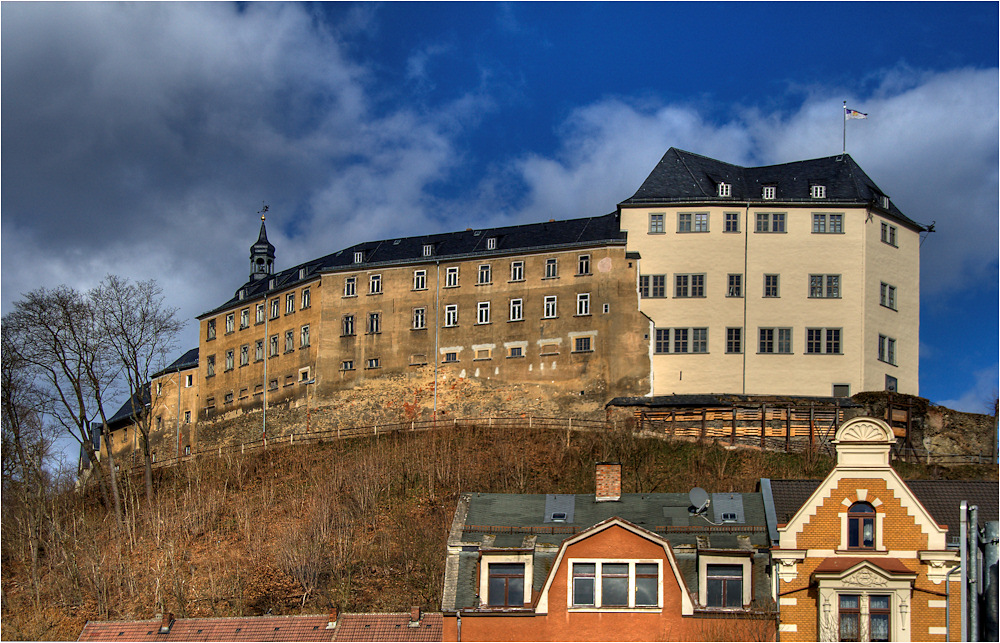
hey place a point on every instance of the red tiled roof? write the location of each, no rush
(388, 627)
(257, 628)
(891, 565)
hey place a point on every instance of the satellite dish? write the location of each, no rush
(699, 500)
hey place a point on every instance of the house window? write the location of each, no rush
(647, 577)
(622, 584)
(289, 341)
(491, 243)
(304, 336)
(770, 285)
(347, 325)
(210, 329)
(428, 249)
(275, 305)
(724, 586)
(828, 223)
(450, 357)
(228, 399)
(373, 362)
(732, 222)
(420, 280)
(244, 318)
(583, 303)
(485, 274)
(841, 390)
(374, 323)
(680, 340)
(817, 191)
(260, 314)
(451, 277)
(725, 189)
(583, 265)
(584, 583)
(230, 359)
(549, 309)
(689, 285)
(230, 322)
(551, 268)
(359, 256)
(815, 344)
(506, 585)
(878, 618)
(289, 303)
(347, 365)
(861, 526)
(258, 354)
(887, 296)
(734, 340)
(451, 315)
(653, 285)
(662, 340)
(351, 287)
(517, 271)
(210, 366)
(887, 350)
(656, 223)
(306, 298)
(734, 286)
(824, 286)
(775, 340)
(850, 617)
(891, 384)
(768, 192)
(614, 584)
(701, 222)
(187, 417)
(419, 318)
(582, 345)
(483, 312)
(374, 284)
(770, 222)
(273, 346)
(889, 234)
(684, 222)
(515, 351)
(244, 354)
(516, 310)
(699, 340)
(188, 381)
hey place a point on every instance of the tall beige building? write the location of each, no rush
(794, 279)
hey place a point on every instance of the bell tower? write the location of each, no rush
(261, 255)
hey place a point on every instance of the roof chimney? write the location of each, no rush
(166, 623)
(332, 623)
(609, 481)
(415, 616)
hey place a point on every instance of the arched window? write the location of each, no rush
(861, 526)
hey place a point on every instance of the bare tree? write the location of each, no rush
(142, 332)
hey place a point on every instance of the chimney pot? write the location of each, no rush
(166, 623)
(332, 619)
(414, 615)
(609, 481)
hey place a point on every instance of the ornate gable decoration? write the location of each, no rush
(865, 430)
(864, 442)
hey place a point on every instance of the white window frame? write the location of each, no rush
(483, 313)
(258, 350)
(289, 341)
(491, 243)
(306, 298)
(275, 308)
(451, 315)
(517, 271)
(244, 354)
(583, 304)
(428, 249)
(420, 280)
(451, 277)
(230, 323)
(598, 586)
(374, 323)
(304, 338)
(350, 287)
(244, 318)
(768, 192)
(230, 359)
(359, 256)
(583, 265)
(516, 310)
(704, 561)
(725, 189)
(347, 327)
(375, 284)
(817, 191)
(290, 303)
(419, 318)
(485, 274)
(550, 307)
(551, 268)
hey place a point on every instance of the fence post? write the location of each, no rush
(529, 421)
(763, 424)
(732, 438)
(812, 423)
(788, 426)
(704, 418)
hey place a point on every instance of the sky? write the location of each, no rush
(142, 139)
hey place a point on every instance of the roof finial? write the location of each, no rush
(264, 208)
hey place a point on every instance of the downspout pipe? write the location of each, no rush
(974, 572)
(459, 627)
(963, 510)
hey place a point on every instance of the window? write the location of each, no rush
(582, 345)
(228, 399)
(210, 366)
(824, 286)
(887, 350)
(258, 354)
(828, 223)
(159, 388)
(491, 243)
(684, 222)
(656, 223)
(734, 340)
(734, 287)
(622, 584)
(583, 265)
(373, 362)
(549, 309)
(289, 341)
(817, 191)
(699, 340)
(724, 586)
(516, 310)
(614, 584)
(849, 610)
(647, 577)
(304, 337)
(680, 340)
(374, 284)
(517, 271)
(351, 287)
(187, 417)
(289, 303)
(359, 256)
(450, 357)
(451, 315)
(230, 322)
(878, 618)
(347, 325)
(725, 189)
(732, 222)
(768, 192)
(770, 285)
(775, 340)
(515, 351)
(662, 340)
(652, 285)
(420, 280)
(230, 359)
(887, 296)
(483, 312)
(419, 318)
(689, 285)
(841, 390)
(244, 354)
(770, 222)
(686, 340)
(584, 575)
(451, 277)
(273, 346)
(506, 585)
(428, 249)
(485, 274)
(347, 365)
(889, 234)
(306, 298)
(374, 323)
(815, 344)
(583, 303)
(210, 329)
(244, 318)
(274, 308)
(701, 222)
(188, 381)
(260, 314)
(551, 268)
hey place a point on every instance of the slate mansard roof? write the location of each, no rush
(685, 177)
(446, 246)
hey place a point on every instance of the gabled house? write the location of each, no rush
(612, 566)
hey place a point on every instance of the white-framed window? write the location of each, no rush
(689, 285)
(771, 283)
(272, 346)
(428, 249)
(491, 243)
(724, 581)
(887, 295)
(230, 322)
(483, 312)
(159, 388)
(374, 323)
(244, 354)
(374, 284)
(583, 303)
(306, 298)
(824, 286)
(583, 265)
(516, 310)
(734, 340)
(770, 222)
(734, 285)
(451, 315)
(275, 308)
(351, 287)
(485, 273)
(258, 350)
(304, 336)
(551, 268)
(775, 340)
(656, 223)
(373, 362)
(289, 341)
(230, 359)
(289, 303)
(768, 192)
(359, 256)
(210, 329)
(732, 222)
(616, 584)
(517, 271)
(887, 349)
(506, 583)
(188, 380)
(451, 277)
(244, 318)
(347, 326)
(259, 315)
(419, 318)
(817, 191)
(889, 234)
(725, 189)
(347, 365)
(823, 341)
(420, 280)
(549, 307)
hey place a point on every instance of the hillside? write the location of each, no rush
(360, 524)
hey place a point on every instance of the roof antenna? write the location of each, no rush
(929, 230)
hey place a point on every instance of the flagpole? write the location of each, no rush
(843, 117)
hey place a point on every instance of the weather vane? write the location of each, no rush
(263, 209)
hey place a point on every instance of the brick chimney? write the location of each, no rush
(332, 619)
(609, 481)
(415, 616)
(166, 623)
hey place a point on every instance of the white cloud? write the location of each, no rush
(981, 397)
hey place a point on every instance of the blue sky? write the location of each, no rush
(141, 139)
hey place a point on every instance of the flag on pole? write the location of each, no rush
(853, 113)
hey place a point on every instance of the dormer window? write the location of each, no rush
(428, 249)
(769, 192)
(491, 243)
(884, 201)
(725, 189)
(359, 257)
(817, 191)
(724, 581)
(506, 585)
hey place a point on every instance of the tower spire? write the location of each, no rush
(261, 253)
